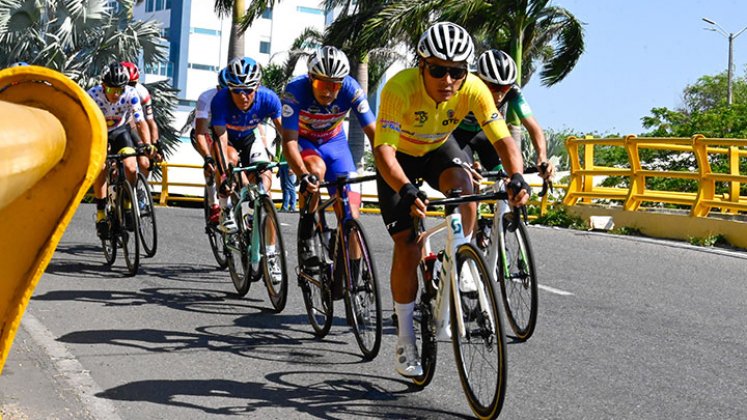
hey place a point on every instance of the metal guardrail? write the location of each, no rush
(164, 196)
(583, 170)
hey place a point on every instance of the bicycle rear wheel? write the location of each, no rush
(148, 232)
(110, 244)
(481, 352)
(129, 227)
(362, 299)
(273, 261)
(518, 279)
(214, 236)
(315, 285)
(425, 331)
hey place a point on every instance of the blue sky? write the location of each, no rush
(640, 54)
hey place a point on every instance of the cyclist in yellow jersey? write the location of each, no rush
(419, 109)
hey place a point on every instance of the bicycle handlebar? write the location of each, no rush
(546, 183)
(258, 167)
(344, 180)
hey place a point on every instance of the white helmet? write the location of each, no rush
(447, 41)
(329, 62)
(495, 66)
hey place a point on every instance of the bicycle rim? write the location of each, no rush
(129, 228)
(518, 280)
(480, 354)
(215, 237)
(238, 258)
(362, 291)
(273, 263)
(315, 288)
(110, 245)
(425, 333)
(148, 233)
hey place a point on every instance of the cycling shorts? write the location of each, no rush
(250, 150)
(428, 168)
(336, 156)
(477, 143)
(119, 138)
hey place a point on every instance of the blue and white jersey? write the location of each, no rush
(119, 112)
(319, 123)
(241, 124)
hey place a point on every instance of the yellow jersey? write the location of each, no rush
(410, 121)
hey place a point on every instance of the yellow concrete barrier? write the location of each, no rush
(52, 146)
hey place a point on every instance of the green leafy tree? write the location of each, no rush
(79, 38)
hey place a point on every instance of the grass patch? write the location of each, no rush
(709, 241)
(628, 231)
(559, 216)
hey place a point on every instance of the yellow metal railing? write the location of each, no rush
(702, 202)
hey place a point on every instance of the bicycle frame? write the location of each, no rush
(454, 238)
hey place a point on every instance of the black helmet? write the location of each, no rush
(115, 75)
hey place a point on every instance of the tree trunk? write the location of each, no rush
(356, 137)
(236, 40)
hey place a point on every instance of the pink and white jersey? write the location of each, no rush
(202, 110)
(119, 112)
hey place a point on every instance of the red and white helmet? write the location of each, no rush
(132, 70)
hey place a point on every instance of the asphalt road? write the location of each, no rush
(629, 328)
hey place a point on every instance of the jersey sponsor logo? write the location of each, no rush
(421, 117)
(495, 117)
(358, 93)
(450, 114)
(289, 97)
(287, 111)
(363, 107)
(391, 125)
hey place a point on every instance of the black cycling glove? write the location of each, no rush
(408, 194)
(307, 179)
(518, 183)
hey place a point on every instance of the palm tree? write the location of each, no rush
(79, 38)
(235, 9)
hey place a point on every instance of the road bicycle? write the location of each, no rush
(504, 241)
(122, 215)
(214, 234)
(254, 250)
(346, 270)
(148, 231)
(458, 303)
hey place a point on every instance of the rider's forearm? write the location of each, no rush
(385, 157)
(510, 155)
(292, 154)
(537, 136)
(154, 135)
(143, 132)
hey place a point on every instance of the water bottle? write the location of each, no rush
(437, 269)
(430, 262)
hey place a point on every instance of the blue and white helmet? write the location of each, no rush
(244, 73)
(447, 41)
(223, 78)
(328, 62)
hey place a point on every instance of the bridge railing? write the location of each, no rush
(702, 202)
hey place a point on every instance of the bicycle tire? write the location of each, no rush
(238, 255)
(214, 237)
(425, 332)
(276, 282)
(148, 229)
(315, 283)
(129, 227)
(110, 244)
(483, 334)
(362, 299)
(518, 281)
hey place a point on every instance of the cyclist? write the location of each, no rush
(498, 70)
(235, 114)
(203, 142)
(145, 102)
(314, 142)
(118, 102)
(419, 109)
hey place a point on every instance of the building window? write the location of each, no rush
(206, 67)
(264, 47)
(156, 5)
(267, 14)
(311, 10)
(113, 6)
(148, 5)
(204, 31)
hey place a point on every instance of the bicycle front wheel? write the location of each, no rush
(237, 244)
(148, 232)
(518, 279)
(362, 298)
(480, 352)
(129, 227)
(425, 331)
(109, 244)
(273, 256)
(315, 287)
(214, 236)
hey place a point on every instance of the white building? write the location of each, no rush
(198, 41)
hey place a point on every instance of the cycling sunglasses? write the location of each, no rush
(319, 84)
(437, 71)
(113, 90)
(244, 91)
(498, 88)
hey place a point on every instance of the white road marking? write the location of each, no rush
(70, 369)
(554, 290)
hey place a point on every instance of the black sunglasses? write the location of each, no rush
(438, 72)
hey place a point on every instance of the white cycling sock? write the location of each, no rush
(223, 202)
(210, 191)
(404, 320)
(270, 249)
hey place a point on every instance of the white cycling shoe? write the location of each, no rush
(406, 361)
(467, 282)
